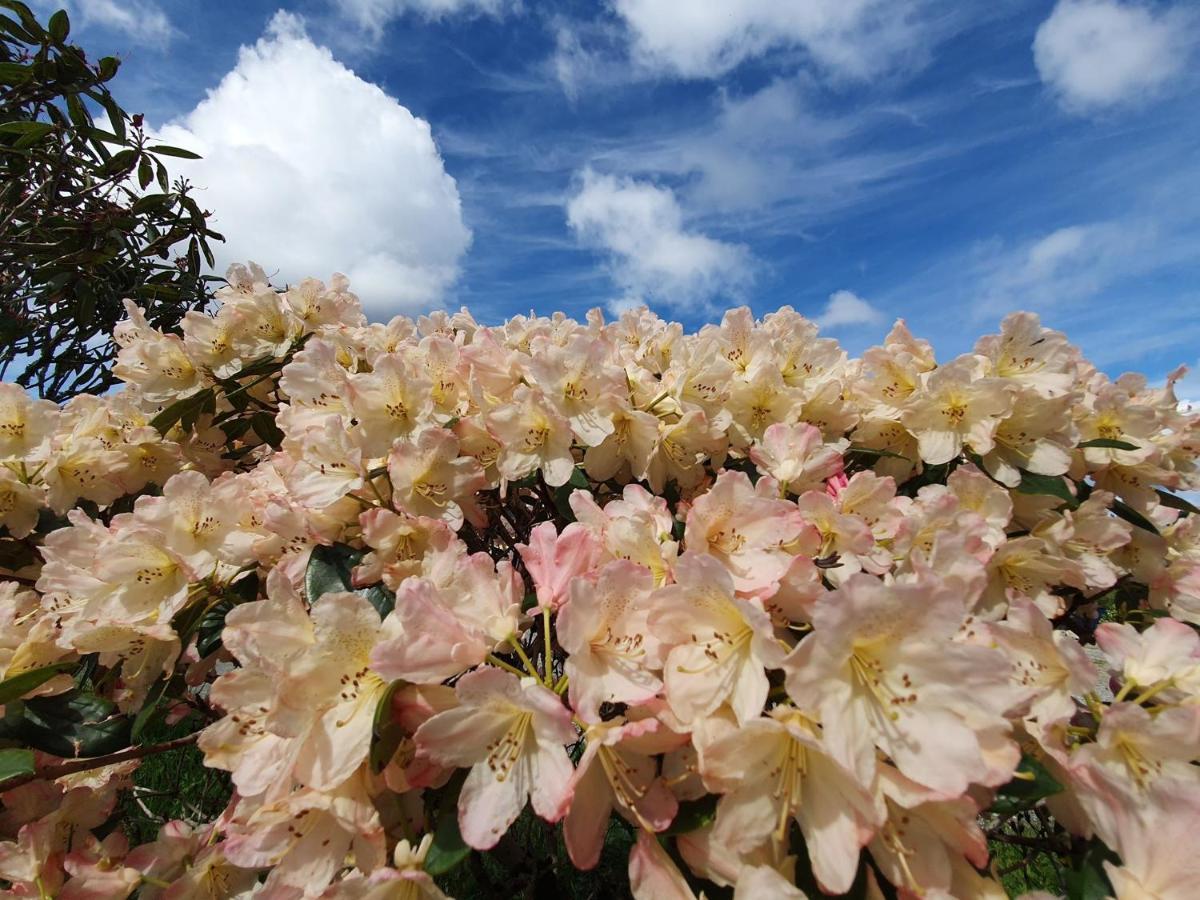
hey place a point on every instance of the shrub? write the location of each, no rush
(470, 609)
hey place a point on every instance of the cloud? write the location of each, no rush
(1064, 267)
(1100, 53)
(142, 20)
(373, 15)
(308, 170)
(846, 308)
(652, 255)
(850, 38)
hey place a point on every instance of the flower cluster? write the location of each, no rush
(787, 621)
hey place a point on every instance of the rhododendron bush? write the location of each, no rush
(770, 620)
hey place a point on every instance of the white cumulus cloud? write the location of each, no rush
(308, 170)
(847, 308)
(1100, 53)
(373, 15)
(854, 38)
(652, 254)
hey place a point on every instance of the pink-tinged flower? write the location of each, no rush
(1088, 536)
(1159, 846)
(956, 408)
(581, 383)
(1165, 658)
(441, 629)
(323, 465)
(555, 560)
(682, 449)
(1136, 750)
(304, 701)
(399, 545)
(96, 869)
(634, 433)
(25, 422)
(719, 644)
(652, 873)
(1034, 357)
(201, 520)
(391, 401)
(512, 732)
(929, 846)
(756, 882)
(617, 771)
(407, 881)
(189, 864)
(533, 437)
(20, 504)
(773, 770)
(306, 837)
(797, 457)
(1050, 664)
(612, 656)
(746, 528)
(429, 478)
(883, 668)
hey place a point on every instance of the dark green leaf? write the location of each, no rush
(1052, 485)
(264, 426)
(387, 733)
(529, 601)
(1031, 783)
(448, 848)
(1087, 880)
(145, 172)
(174, 151)
(14, 763)
(331, 570)
(146, 713)
(108, 66)
(875, 453)
(16, 687)
(1174, 501)
(184, 411)
(73, 724)
(121, 162)
(1132, 516)
(59, 26)
(694, 814)
(1109, 443)
(14, 73)
(37, 129)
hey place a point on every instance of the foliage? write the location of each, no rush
(88, 214)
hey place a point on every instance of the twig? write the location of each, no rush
(96, 762)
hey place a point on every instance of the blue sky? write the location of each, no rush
(860, 160)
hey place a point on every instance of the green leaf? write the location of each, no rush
(387, 733)
(1031, 783)
(15, 763)
(73, 724)
(694, 814)
(174, 151)
(331, 570)
(1109, 443)
(14, 73)
(448, 848)
(529, 601)
(108, 66)
(1174, 501)
(1088, 881)
(145, 172)
(264, 426)
(59, 26)
(875, 453)
(19, 685)
(146, 713)
(185, 411)
(1131, 515)
(1052, 485)
(31, 133)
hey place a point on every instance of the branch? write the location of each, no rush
(96, 762)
